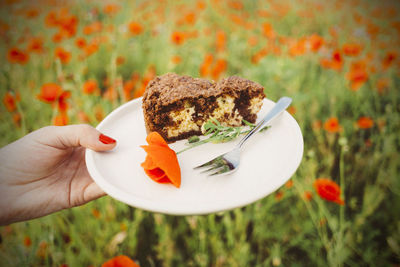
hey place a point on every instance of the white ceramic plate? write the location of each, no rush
(268, 160)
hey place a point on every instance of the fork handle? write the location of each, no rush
(280, 106)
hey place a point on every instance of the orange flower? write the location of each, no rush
(307, 195)
(120, 60)
(61, 119)
(17, 118)
(268, 31)
(200, 5)
(220, 40)
(139, 93)
(27, 241)
(80, 42)
(32, 13)
(62, 101)
(42, 250)
(10, 101)
(365, 122)
(57, 37)
(63, 55)
(259, 55)
(90, 87)
(91, 48)
(297, 48)
(278, 195)
(50, 92)
(120, 261)
(68, 25)
(332, 125)
(389, 58)
(51, 19)
(289, 184)
(178, 38)
(99, 113)
(190, 18)
(96, 213)
(15, 55)
(316, 125)
(316, 42)
(352, 49)
(219, 67)
(335, 62)
(135, 28)
(128, 88)
(205, 67)
(176, 59)
(357, 74)
(161, 162)
(111, 9)
(94, 27)
(36, 45)
(382, 84)
(328, 190)
(252, 41)
(292, 110)
(110, 94)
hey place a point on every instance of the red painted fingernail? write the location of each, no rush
(106, 139)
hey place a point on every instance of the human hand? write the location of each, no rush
(45, 171)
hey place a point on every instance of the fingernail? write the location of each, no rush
(106, 139)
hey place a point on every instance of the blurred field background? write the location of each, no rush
(66, 62)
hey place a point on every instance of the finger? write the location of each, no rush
(92, 192)
(76, 135)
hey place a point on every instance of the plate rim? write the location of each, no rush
(143, 203)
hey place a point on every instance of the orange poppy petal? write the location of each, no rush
(165, 159)
(155, 138)
(148, 163)
(155, 174)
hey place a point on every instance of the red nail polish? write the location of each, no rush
(106, 139)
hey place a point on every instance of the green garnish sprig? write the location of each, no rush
(217, 133)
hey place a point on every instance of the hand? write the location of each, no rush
(45, 171)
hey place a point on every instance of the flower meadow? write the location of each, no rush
(68, 62)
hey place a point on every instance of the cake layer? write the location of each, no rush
(177, 106)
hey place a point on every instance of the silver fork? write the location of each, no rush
(229, 162)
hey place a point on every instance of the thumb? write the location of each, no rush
(84, 135)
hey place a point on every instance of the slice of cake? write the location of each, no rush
(176, 106)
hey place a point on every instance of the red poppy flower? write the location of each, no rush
(328, 190)
(332, 125)
(90, 87)
(161, 163)
(178, 38)
(27, 241)
(62, 101)
(365, 122)
(36, 45)
(61, 119)
(50, 92)
(120, 261)
(352, 49)
(10, 102)
(16, 55)
(268, 31)
(80, 42)
(135, 28)
(316, 42)
(63, 55)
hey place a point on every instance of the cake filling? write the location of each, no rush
(190, 120)
(183, 121)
